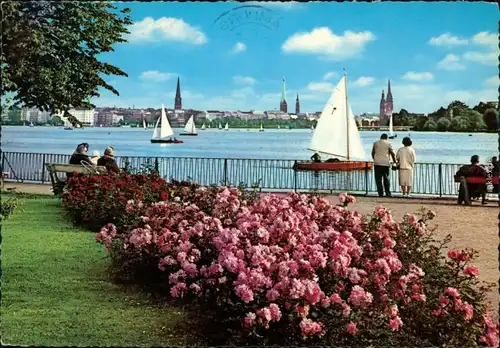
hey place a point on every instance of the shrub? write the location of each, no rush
(298, 270)
(93, 201)
(7, 207)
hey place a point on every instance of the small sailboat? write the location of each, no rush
(144, 125)
(220, 126)
(391, 131)
(203, 127)
(163, 131)
(68, 128)
(279, 127)
(337, 134)
(209, 126)
(226, 127)
(190, 128)
(312, 128)
(31, 124)
(261, 128)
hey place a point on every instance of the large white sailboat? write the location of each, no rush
(336, 134)
(163, 132)
(190, 128)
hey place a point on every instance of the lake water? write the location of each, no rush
(237, 143)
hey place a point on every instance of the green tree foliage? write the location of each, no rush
(458, 108)
(56, 120)
(482, 107)
(490, 119)
(235, 122)
(50, 52)
(459, 124)
(474, 120)
(430, 125)
(440, 113)
(443, 124)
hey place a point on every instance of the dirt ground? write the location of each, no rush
(473, 226)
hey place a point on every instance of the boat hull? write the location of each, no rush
(189, 134)
(342, 166)
(161, 141)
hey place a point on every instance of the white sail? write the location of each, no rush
(226, 127)
(203, 127)
(165, 129)
(261, 128)
(391, 132)
(190, 126)
(336, 132)
(144, 124)
(220, 126)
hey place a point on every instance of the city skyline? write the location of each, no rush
(453, 57)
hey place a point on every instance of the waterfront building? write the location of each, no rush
(386, 105)
(35, 115)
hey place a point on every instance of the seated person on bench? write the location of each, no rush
(474, 170)
(316, 158)
(80, 155)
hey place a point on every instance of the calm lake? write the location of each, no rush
(237, 143)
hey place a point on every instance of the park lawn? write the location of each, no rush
(55, 289)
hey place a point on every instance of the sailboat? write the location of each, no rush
(163, 134)
(337, 134)
(391, 131)
(226, 127)
(144, 125)
(261, 128)
(312, 128)
(278, 126)
(190, 128)
(220, 126)
(203, 127)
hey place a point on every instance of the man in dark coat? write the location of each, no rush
(80, 155)
(108, 160)
(474, 170)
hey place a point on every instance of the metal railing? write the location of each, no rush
(433, 179)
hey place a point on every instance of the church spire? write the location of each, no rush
(297, 105)
(389, 93)
(283, 105)
(382, 100)
(178, 99)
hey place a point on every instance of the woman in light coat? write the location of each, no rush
(406, 159)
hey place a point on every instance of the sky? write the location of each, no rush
(233, 56)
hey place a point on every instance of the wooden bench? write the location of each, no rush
(463, 193)
(58, 184)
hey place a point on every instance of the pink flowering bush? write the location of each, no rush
(299, 270)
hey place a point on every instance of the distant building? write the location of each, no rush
(178, 99)
(35, 115)
(386, 105)
(84, 116)
(283, 105)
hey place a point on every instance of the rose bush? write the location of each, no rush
(93, 201)
(299, 270)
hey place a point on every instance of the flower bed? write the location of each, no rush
(298, 270)
(93, 201)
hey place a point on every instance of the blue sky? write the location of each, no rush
(433, 53)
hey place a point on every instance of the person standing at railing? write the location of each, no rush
(382, 153)
(406, 158)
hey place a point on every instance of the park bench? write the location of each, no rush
(463, 192)
(58, 184)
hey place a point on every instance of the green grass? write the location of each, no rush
(55, 289)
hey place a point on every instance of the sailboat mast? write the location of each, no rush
(346, 114)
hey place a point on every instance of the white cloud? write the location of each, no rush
(244, 80)
(493, 81)
(415, 76)
(326, 87)
(166, 29)
(155, 75)
(363, 81)
(239, 47)
(486, 58)
(486, 38)
(282, 5)
(447, 39)
(330, 75)
(323, 42)
(451, 62)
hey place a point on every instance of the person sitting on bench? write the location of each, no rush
(80, 155)
(474, 170)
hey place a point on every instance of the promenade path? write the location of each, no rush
(473, 226)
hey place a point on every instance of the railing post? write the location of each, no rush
(43, 169)
(157, 165)
(366, 178)
(295, 176)
(225, 172)
(440, 174)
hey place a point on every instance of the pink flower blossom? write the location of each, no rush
(471, 271)
(351, 328)
(395, 323)
(310, 328)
